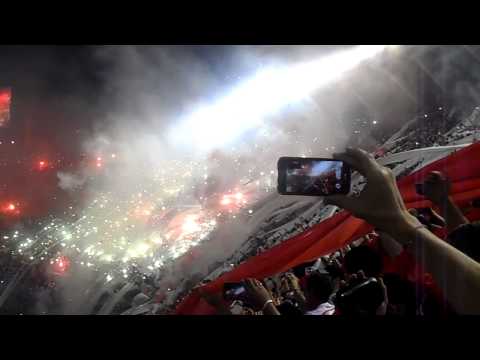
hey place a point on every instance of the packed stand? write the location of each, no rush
(401, 268)
(434, 129)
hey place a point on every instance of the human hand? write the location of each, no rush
(380, 202)
(334, 269)
(382, 309)
(436, 219)
(436, 187)
(256, 293)
(248, 311)
(376, 303)
(291, 282)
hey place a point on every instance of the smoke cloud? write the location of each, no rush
(130, 168)
(147, 91)
(70, 182)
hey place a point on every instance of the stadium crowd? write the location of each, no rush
(365, 277)
(32, 285)
(434, 129)
(377, 275)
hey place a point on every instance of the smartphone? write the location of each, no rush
(313, 176)
(358, 287)
(362, 298)
(233, 291)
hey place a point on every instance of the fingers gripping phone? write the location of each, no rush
(364, 297)
(313, 176)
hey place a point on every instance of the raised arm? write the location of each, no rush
(381, 204)
(260, 298)
(437, 188)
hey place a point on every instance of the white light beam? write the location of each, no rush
(268, 92)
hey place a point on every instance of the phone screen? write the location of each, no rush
(232, 291)
(313, 176)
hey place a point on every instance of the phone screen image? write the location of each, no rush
(314, 177)
(233, 291)
(236, 291)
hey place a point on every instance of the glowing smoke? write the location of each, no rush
(267, 93)
(162, 163)
(157, 169)
(70, 182)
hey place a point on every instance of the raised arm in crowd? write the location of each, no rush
(381, 205)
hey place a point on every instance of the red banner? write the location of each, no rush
(462, 167)
(5, 101)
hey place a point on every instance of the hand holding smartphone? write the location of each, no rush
(313, 176)
(360, 297)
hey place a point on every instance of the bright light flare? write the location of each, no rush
(225, 201)
(61, 265)
(190, 225)
(10, 209)
(268, 92)
(99, 162)
(42, 165)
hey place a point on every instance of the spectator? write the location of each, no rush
(402, 297)
(315, 301)
(260, 298)
(300, 270)
(462, 235)
(362, 296)
(318, 289)
(436, 188)
(289, 308)
(381, 204)
(429, 218)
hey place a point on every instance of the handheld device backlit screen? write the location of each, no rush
(313, 176)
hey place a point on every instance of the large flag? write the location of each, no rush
(5, 101)
(462, 167)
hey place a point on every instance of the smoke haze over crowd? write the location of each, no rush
(103, 118)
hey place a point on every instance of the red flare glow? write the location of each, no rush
(42, 165)
(61, 265)
(10, 209)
